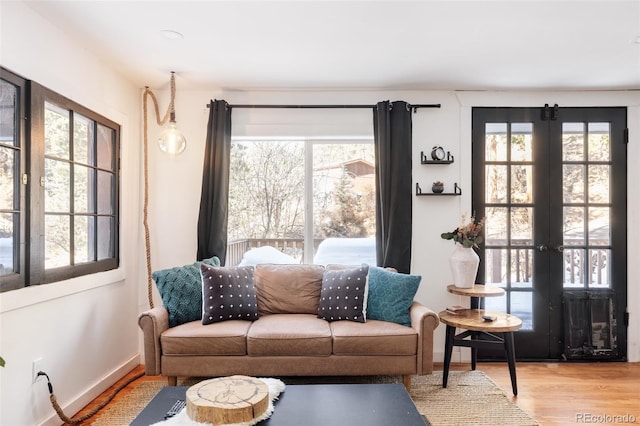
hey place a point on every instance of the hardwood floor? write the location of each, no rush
(551, 393)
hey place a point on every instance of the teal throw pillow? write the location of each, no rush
(181, 291)
(391, 295)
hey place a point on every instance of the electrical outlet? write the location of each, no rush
(36, 366)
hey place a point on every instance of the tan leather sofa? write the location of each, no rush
(288, 339)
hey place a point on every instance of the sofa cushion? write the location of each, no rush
(391, 295)
(288, 289)
(193, 338)
(344, 294)
(227, 293)
(181, 291)
(289, 334)
(373, 338)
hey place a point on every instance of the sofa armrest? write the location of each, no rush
(153, 323)
(424, 321)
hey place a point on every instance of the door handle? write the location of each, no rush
(542, 248)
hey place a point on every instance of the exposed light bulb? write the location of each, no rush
(172, 141)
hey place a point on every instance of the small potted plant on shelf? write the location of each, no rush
(437, 187)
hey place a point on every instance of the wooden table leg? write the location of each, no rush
(511, 359)
(448, 349)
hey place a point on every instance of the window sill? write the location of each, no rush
(32, 295)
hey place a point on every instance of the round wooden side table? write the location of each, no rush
(479, 332)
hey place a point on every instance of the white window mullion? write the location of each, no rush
(308, 202)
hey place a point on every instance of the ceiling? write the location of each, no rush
(362, 45)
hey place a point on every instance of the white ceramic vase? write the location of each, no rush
(464, 266)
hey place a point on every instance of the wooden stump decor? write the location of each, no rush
(227, 400)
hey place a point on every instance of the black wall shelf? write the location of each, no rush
(425, 160)
(456, 191)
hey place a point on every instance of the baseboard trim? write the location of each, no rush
(94, 391)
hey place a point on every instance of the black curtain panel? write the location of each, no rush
(212, 220)
(392, 135)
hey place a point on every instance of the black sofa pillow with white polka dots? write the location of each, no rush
(227, 293)
(344, 294)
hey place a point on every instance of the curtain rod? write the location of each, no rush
(410, 106)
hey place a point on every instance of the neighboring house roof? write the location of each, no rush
(356, 168)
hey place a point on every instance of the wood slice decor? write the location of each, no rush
(227, 400)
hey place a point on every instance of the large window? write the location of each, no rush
(59, 217)
(306, 200)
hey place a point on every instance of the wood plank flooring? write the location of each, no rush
(551, 393)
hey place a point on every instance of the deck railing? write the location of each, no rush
(294, 247)
(580, 266)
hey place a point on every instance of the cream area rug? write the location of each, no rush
(471, 398)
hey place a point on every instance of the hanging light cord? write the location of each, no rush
(80, 419)
(145, 210)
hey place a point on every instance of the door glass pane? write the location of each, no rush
(495, 266)
(521, 141)
(521, 268)
(573, 141)
(599, 226)
(599, 271)
(496, 184)
(6, 243)
(495, 230)
(574, 230)
(599, 178)
(83, 189)
(599, 142)
(7, 182)
(82, 139)
(522, 307)
(57, 189)
(521, 184)
(57, 244)
(56, 131)
(498, 303)
(496, 142)
(82, 239)
(573, 183)
(574, 266)
(522, 226)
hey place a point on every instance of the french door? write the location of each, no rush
(551, 183)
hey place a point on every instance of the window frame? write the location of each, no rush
(17, 279)
(309, 144)
(31, 258)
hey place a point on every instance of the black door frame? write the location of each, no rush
(548, 166)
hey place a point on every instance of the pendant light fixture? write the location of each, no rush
(171, 140)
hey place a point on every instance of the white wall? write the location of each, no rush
(83, 329)
(86, 330)
(449, 126)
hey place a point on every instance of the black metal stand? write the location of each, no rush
(479, 339)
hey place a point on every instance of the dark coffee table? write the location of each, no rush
(317, 405)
